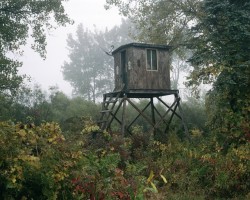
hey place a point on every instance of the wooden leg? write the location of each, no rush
(123, 128)
(183, 121)
(153, 112)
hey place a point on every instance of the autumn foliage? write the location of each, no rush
(38, 162)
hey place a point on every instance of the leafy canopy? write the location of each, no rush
(220, 39)
(161, 21)
(221, 56)
(19, 17)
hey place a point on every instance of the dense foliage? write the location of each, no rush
(81, 162)
(39, 162)
(36, 106)
(221, 55)
(161, 21)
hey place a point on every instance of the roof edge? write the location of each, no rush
(142, 45)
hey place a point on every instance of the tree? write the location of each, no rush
(9, 78)
(86, 63)
(30, 104)
(178, 66)
(161, 21)
(90, 69)
(221, 56)
(221, 39)
(18, 21)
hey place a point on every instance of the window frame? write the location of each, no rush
(150, 67)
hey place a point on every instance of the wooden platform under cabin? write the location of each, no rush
(141, 93)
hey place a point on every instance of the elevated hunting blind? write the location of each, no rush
(141, 71)
(142, 66)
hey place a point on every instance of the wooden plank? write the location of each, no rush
(109, 111)
(138, 116)
(105, 111)
(141, 78)
(114, 114)
(159, 114)
(123, 117)
(184, 123)
(171, 117)
(152, 109)
(159, 122)
(168, 107)
(116, 118)
(145, 117)
(153, 112)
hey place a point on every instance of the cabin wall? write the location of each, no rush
(138, 77)
(117, 71)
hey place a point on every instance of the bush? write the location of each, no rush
(37, 162)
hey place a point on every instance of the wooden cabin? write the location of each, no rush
(141, 66)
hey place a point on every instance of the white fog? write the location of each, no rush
(46, 73)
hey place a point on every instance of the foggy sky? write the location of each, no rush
(48, 72)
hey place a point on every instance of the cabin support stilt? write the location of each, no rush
(158, 120)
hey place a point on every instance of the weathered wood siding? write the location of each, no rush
(117, 71)
(138, 77)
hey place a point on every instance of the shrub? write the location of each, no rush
(36, 162)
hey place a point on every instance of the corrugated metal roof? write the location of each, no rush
(141, 45)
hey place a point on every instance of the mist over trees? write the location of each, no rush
(90, 66)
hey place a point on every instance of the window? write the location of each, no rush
(151, 59)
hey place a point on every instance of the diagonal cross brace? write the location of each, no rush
(162, 119)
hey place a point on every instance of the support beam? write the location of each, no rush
(135, 107)
(159, 122)
(168, 107)
(184, 122)
(114, 114)
(138, 116)
(153, 112)
(156, 119)
(123, 117)
(160, 115)
(171, 117)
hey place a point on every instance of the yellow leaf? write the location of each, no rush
(13, 180)
(22, 133)
(163, 178)
(151, 176)
(153, 186)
